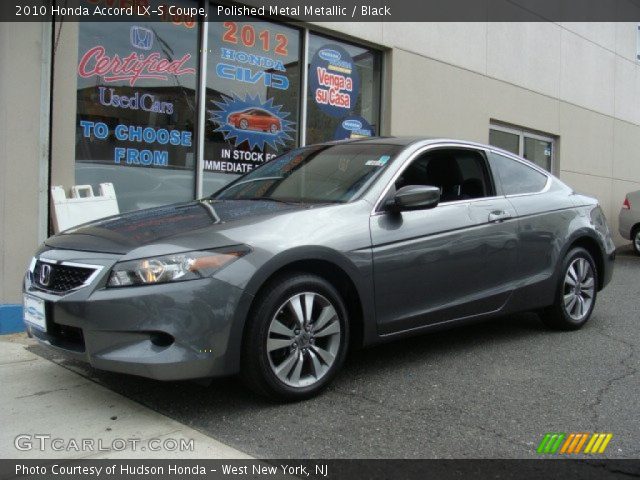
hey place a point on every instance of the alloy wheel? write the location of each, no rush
(579, 289)
(303, 339)
(636, 241)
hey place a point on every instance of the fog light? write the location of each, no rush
(161, 339)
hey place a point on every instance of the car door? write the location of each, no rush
(542, 214)
(449, 262)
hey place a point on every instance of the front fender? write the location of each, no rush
(356, 265)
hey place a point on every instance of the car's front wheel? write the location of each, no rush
(576, 294)
(296, 338)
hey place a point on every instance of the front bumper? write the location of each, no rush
(173, 331)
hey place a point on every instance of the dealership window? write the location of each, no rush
(252, 97)
(343, 94)
(254, 84)
(188, 123)
(135, 127)
(535, 147)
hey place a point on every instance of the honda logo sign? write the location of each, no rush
(141, 37)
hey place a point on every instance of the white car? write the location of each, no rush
(629, 219)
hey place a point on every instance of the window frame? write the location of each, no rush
(378, 208)
(522, 133)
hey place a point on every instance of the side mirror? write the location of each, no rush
(414, 197)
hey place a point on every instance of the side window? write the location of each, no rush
(516, 177)
(460, 174)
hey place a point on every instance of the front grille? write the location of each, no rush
(59, 278)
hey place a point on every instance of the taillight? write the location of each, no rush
(626, 204)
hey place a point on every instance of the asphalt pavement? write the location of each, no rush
(490, 390)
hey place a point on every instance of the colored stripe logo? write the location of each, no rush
(573, 443)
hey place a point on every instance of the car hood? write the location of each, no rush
(184, 226)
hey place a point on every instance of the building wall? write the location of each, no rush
(22, 153)
(63, 136)
(577, 81)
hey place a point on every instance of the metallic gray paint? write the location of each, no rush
(412, 271)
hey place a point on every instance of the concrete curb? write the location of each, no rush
(40, 397)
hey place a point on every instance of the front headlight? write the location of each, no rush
(172, 268)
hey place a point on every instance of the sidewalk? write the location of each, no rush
(41, 398)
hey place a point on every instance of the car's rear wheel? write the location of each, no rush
(296, 338)
(576, 294)
(635, 237)
(273, 128)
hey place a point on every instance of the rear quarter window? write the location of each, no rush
(515, 177)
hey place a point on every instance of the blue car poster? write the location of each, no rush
(249, 119)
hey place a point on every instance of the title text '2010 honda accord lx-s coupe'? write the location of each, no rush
(326, 247)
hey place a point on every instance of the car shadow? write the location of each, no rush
(226, 396)
(627, 251)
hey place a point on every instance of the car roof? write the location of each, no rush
(405, 141)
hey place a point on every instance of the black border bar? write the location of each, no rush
(336, 10)
(547, 469)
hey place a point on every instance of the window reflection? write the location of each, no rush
(136, 110)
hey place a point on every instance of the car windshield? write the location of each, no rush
(318, 174)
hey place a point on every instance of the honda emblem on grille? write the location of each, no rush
(45, 274)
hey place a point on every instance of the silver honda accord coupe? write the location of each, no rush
(325, 248)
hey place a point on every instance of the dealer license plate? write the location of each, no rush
(34, 312)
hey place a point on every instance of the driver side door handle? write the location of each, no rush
(498, 216)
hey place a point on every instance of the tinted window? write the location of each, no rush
(516, 177)
(320, 174)
(460, 174)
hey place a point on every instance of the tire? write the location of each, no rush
(635, 240)
(244, 125)
(273, 129)
(573, 304)
(275, 341)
